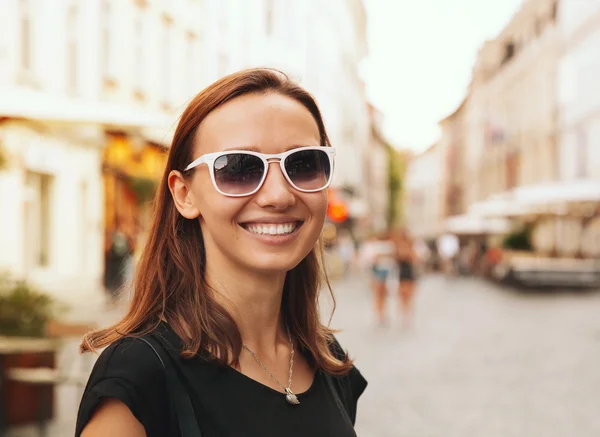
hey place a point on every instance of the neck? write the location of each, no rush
(254, 302)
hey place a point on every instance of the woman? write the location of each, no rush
(228, 282)
(378, 253)
(406, 259)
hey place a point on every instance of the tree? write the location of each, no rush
(396, 169)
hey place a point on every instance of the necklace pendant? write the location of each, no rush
(291, 397)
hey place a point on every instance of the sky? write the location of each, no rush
(421, 53)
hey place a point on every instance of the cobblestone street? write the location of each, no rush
(480, 361)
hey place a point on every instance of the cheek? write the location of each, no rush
(213, 206)
(317, 205)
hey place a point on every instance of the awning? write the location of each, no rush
(500, 205)
(559, 192)
(469, 224)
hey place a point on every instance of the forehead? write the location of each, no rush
(270, 122)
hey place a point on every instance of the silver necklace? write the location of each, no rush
(289, 395)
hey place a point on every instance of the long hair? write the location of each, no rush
(170, 281)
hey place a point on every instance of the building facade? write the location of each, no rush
(579, 90)
(51, 207)
(512, 115)
(424, 193)
(377, 176)
(453, 145)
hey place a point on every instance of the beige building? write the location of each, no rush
(453, 148)
(512, 114)
(376, 176)
(424, 193)
(579, 90)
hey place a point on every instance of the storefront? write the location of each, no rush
(558, 244)
(131, 170)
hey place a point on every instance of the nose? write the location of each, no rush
(276, 192)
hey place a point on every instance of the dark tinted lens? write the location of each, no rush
(308, 169)
(238, 173)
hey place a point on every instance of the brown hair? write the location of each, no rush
(170, 282)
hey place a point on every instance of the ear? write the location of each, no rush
(182, 196)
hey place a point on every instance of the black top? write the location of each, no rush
(226, 402)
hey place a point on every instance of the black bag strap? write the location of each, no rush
(336, 397)
(179, 399)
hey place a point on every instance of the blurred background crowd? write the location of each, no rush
(464, 228)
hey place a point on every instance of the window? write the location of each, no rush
(72, 70)
(192, 55)
(269, 17)
(509, 51)
(166, 59)
(26, 37)
(222, 63)
(83, 225)
(105, 39)
(138, 48)
(38, 219)
(512, 169)
(539, 26)
(581, 153)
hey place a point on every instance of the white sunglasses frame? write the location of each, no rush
(210, 158)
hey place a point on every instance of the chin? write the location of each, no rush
(272, 264)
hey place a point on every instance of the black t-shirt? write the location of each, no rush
(226, 402)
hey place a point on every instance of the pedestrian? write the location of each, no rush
(346, 252)
(117, 253)
(406, 259)
(377, 254)
(448, 247)
(223, 335)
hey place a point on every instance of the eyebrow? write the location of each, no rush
(249, 148)
(255, 149)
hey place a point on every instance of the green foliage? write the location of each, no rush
(24, 311)
(395, 175)
(143, 188)
(519, 240)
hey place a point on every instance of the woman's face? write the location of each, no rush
(233, 227)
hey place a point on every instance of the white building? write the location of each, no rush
(424, 191)
(70, 70)
(73, 70)
(377, 170)
(579, 90)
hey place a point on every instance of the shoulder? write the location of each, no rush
(352, 385)
(128, 370)
(129, 358)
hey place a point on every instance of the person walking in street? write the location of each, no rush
(346, 251)
(378, 255)
(406, 259)
(223, 335)
(116, 258)
(448, 247)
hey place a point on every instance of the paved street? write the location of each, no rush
(480, 361)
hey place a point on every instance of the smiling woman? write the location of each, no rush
(227, 288)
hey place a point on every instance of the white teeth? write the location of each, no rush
(274, 229)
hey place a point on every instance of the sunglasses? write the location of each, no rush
(238, 173)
